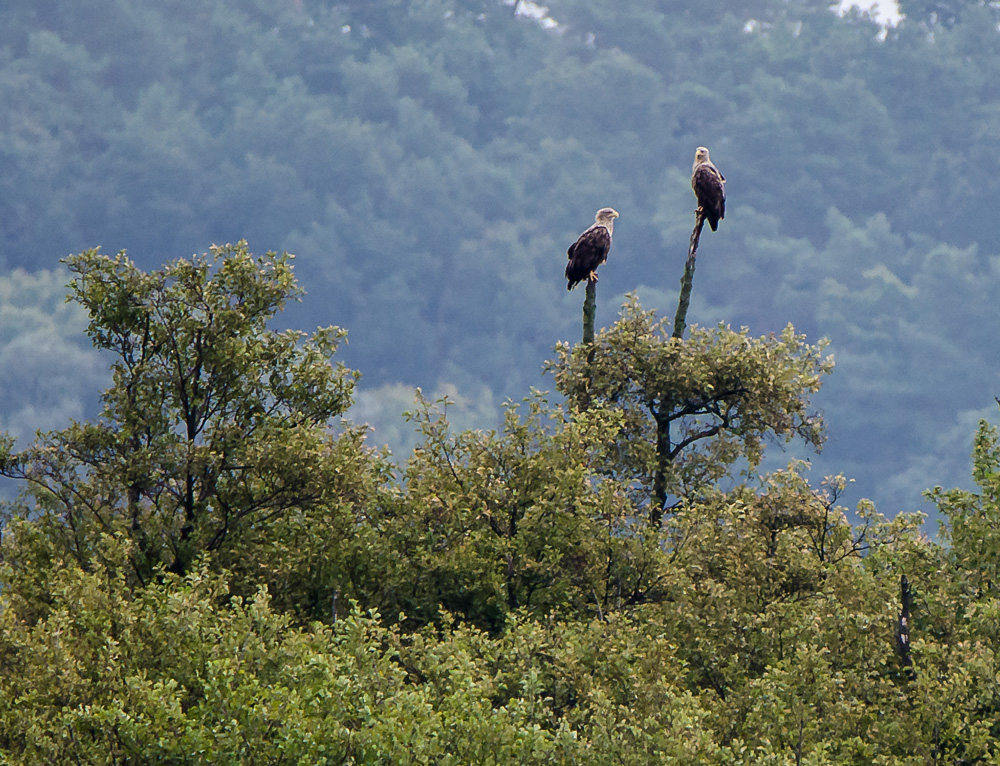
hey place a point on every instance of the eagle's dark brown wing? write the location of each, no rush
(710, 189)
(587, 253)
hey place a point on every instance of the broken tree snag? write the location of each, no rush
(589, 310)
(680, 318)
(903, 629)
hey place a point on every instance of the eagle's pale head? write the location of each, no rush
(701, 155)
(606, 215)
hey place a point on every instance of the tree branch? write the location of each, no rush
(903, 629)
(589, 309)
(680, 319)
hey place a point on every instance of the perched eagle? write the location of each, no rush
(709, 187)
(591, 249)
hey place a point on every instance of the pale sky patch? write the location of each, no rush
(885, 11)
(534, 11)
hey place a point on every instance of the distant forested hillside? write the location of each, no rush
(428, 163)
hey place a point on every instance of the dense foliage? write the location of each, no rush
(217, 569)
(430, 161)
(213, 564)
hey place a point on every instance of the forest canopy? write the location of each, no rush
(219, 568)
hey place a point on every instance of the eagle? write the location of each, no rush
(709, 187)
(591, 248)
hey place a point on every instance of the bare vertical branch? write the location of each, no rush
(589, 310)
(680, 319)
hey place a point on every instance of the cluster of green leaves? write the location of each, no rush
(218, 569)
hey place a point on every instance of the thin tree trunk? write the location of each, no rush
(662, 461)
(903, 629)
(663, 445)
(680, 319)
(589, 309)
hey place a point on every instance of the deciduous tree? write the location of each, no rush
(693, 408)
(215, 425)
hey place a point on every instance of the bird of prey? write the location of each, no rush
(591, 248)
(709, 187)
